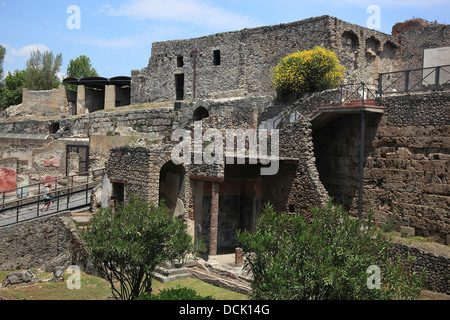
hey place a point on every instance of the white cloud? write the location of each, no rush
(191, 11)
(13, 54)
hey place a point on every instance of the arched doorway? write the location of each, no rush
(200, 113)
(171, 181)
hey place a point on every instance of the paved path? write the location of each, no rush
(29, 211)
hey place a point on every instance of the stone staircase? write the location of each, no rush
(168, 272)
(82, 217)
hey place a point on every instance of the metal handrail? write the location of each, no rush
(38, 184)
(84, 186)
(405, 76)
(359, 91)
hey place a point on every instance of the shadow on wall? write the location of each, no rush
(337, 152)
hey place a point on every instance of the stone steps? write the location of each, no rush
(166, 275)
(168, 272)
(82, 218)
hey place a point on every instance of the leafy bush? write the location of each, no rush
(324, 258)
(130, 242)
(308, 71)
(175, 294)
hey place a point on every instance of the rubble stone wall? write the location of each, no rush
(406, 171)
(436, 266)
(247, 59)
(33, 244)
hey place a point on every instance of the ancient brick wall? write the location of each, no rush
(409, 166)
(131, 167)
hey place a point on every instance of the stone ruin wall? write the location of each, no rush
(408, 168)
(413, 42)
(406, 172)
(247, 58)
(41, 103)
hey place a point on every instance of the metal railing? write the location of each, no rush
(31, 203)
(423, 79)
(345, 93)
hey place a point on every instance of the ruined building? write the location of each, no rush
(383, 145)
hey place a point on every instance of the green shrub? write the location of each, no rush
(175, 294)
(326, 257)
(308, 71)
(128, 243)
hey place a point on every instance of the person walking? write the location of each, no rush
(47, 197)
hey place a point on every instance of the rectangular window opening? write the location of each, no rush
(217, 57)
(180, 61)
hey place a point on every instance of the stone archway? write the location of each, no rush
(200, 113)
(171, 180)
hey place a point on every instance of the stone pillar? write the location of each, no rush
(239, 257)
(214, 222)
(81, 100)
(25, 97)
(110, 97)
(61, 99)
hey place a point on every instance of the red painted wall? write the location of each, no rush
(7, 179)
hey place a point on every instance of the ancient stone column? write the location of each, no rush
(110, 97)
(81, 100)
(214, 223)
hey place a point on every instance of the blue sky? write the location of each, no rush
(117, 34)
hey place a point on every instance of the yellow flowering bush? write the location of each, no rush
(308, 71)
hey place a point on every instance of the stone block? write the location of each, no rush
(408, 231)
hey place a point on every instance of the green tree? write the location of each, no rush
(307, 71)
(130, 242)
(11, 91)
(42, 70)
(2, 59)
(81, 67)
(326, 257)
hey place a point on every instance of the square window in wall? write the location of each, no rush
(180, 61)
(217, 57)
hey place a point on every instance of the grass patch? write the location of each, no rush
(96, 288)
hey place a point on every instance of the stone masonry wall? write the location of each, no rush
(146, 121)
(247, 58)
(414, 42)
(33, 244)
(437, 266)
(131, 167)
(406, 176)
(307, 190)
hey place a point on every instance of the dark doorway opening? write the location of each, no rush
(118, 193)
(83, 162)
(53, 127)
(171, 179)
(200, 113)
(179, 86)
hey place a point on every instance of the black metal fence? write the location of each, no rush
(424, 79)
(24, 203)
